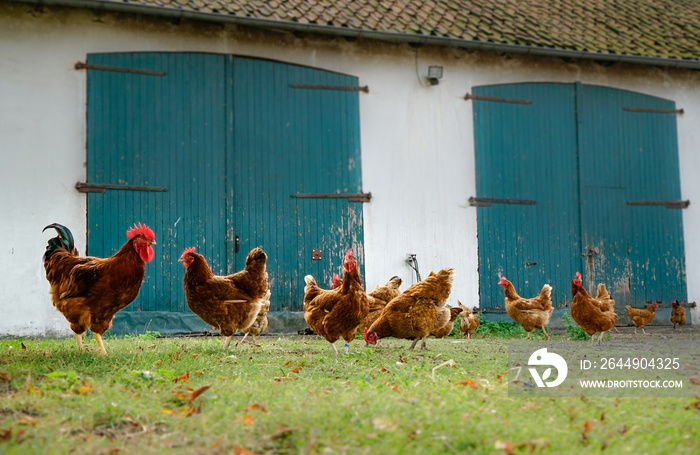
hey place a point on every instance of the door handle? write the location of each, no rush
(237, 244)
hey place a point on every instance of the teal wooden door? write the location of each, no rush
(160, 126)
(292, 140)
(628, 163)
(208, 150)
(529, 233)
(598, 194)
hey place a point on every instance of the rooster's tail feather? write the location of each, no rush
(64, 239)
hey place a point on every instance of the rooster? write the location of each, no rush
(677, 315)
(468, 321)
(89, 291)
(413, 314)
(531, 313)
(640, 318)
(378, 299)
(337, 313)
(591, 314)
(446, 322)
(227, 303)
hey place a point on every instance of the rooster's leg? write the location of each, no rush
(242, 339)
(79, 339)
(100, 343)
(227, 342)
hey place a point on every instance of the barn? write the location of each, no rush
(517, 138)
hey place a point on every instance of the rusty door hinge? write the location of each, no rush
(119, 69)
(83, 187)
(356, 197)
(350, 88)
(652, 110)
(496, 99)
(487, 201)
(668, 204)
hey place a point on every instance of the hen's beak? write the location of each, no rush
(180, 260)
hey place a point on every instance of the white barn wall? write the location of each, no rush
(417, 140)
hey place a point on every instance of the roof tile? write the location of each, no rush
(654, 28)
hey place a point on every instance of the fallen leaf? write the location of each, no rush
(470, 383)
(507, 447)
(499, 377)
(255, 407)
(587, 427)
(694, 404)
(195, 393)
(382, 370)
(167, 411)
(183, 377)
(5, 434)
(241, 451)
(24, 348)
(26, 420)
(84, 389)
(695, 381)
(296, 370)
(602, 416)
(245, 420)
(282, 379)
(192, 410)
(4, 377)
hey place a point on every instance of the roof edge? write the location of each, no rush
(409, 38)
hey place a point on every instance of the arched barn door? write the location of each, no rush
(225, 154)
(572, 177)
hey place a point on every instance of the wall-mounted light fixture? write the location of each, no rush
(434, 74)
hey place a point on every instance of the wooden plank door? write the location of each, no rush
(295, 135)
(159, 122)
(525, 141)
(628, 163)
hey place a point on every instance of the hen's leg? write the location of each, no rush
(227, 342)
(643, 330)
(413, 345)
(100, 343)
(79, 339)
(528, 335)
(242, 339)
(347, 348)
(546, 335)
(423, 346)
(635, 329)
(335, 351)
(470, 336)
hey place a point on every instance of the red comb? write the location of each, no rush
(349, 253)
(187, 251)
(578, 275)
(141, 229)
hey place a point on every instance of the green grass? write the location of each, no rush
(291, 395)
